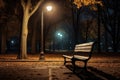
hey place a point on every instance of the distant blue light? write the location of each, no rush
(12, 42)
(59, 34)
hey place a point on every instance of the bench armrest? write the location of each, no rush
(66, 56)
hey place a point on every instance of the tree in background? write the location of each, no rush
(78, 6)
(28, 10)
(7, 16)
(110, 15)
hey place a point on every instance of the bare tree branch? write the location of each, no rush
(23, 4)
(36, 7)
(29, 3)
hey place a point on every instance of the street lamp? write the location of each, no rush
(60, 36)
(49, 8)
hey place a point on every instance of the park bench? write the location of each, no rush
(85, 48)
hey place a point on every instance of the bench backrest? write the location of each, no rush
(84, 47)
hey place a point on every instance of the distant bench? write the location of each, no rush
(80, 48)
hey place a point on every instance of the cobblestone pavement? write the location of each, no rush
(99, 68)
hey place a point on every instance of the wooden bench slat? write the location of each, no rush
(80, 57)
(86, 49)
(85, 44)
(82, 50)
(82, 47)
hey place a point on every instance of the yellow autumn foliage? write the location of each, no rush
(80, 3)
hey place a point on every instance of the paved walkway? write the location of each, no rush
(99, 68)
(34, 71)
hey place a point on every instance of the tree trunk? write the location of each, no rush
(27, 12)
(87, 30)
(99, 38)
(33, 47)
(3, 40)
(106, 41)
(0, 39)
(23, 53)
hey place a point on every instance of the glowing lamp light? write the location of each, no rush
(49, 8)
(59, 34)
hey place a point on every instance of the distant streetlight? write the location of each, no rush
(49, 8)
(60, 35)
(12, 42)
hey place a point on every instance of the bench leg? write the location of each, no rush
(73, 63)
(85, 65)
(64, 60)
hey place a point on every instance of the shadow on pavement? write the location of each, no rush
(91, 73)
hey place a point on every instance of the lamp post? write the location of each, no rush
(49, 8)
(60, 35)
